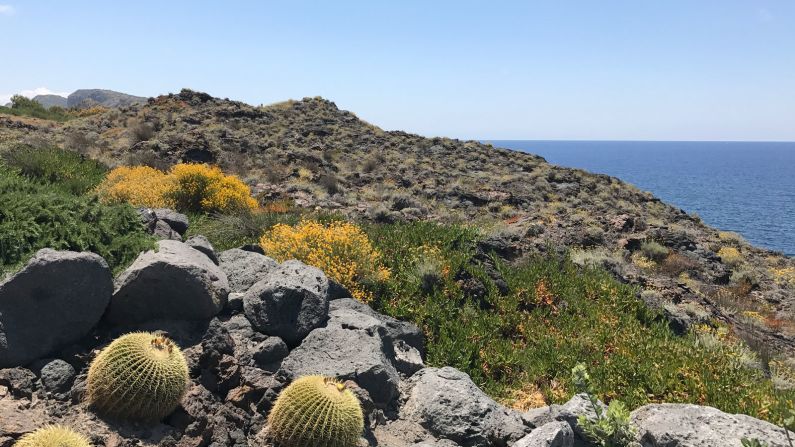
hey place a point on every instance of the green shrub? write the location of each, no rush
(555, 316)
(611, 428)
(35, 216)
(654, 251)
(238, 228)
(21, 106)
(65, 170)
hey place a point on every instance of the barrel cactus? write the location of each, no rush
(139, 376)
(53, 436)
(316, 411)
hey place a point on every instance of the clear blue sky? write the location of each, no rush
(660, 70)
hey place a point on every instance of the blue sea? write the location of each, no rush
(747, 187)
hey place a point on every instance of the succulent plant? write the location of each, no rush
(316, 411)
(53, 436)
(139, 376)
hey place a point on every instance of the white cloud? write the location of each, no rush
(7, 10)
(6, 98)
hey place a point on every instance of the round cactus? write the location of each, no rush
(139, 376)
(53, 436)
(316, 411)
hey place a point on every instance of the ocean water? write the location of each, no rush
(747, 187)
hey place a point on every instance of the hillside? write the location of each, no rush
(87, 98)
(50, 100)
(318, 156)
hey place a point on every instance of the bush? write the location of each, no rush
(508, 342)
(232, 230)
(140, 186)
(192, 188)
(66, 170)
(342, 250)
(36, 216)
(730, 256)
(654, 251)
(204, 188)
(21, 106)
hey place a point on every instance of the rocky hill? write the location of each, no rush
(86, 98)
(316, 155)
(51, 100)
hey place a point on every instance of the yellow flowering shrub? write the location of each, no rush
(730, 256)
(200, 187)
(186, 187)
(341, 249)
(136, 185)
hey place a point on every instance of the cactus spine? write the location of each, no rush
(315, 411)
(139, 376)
(53, 436)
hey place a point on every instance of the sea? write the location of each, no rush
(745, 187)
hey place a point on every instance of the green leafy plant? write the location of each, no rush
(65, 170)
(316, 411)
(611, 428)
(35, 216)
(753, 442)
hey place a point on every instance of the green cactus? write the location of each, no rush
(316, 411)
(139, 376)
(53, 436)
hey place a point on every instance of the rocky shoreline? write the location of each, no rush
(249, 326)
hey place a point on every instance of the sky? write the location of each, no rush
(570, 70)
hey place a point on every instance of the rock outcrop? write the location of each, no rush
(55, 300)
(244, 268)
(174, 281)
(684, 425)
(289, 302)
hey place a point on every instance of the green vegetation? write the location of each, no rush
(21, 106)
(611, 428)
(39, 208)
(139, 376)
(554, 317)
(65, 170)
(316, 411)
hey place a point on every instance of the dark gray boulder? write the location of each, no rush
(245, 268)
(348, 354)
(449, 405)
(57, 376)
(395, 329)
(175, 282)
(55, 300)
(553, 434)
(686, 425)
(162, 230)
(202, 244)
(177, 221)
(289, 302)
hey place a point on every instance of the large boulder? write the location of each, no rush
(289, 302)
(395, 329)
(686, 425)
(348, 354)
(174, 282)
(449, 405)
(55, 300)
(245, 268)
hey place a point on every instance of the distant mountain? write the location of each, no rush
(50, 100)
(106, 98)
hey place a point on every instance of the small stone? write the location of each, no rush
(57, 375)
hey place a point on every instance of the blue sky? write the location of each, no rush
(647, 70)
